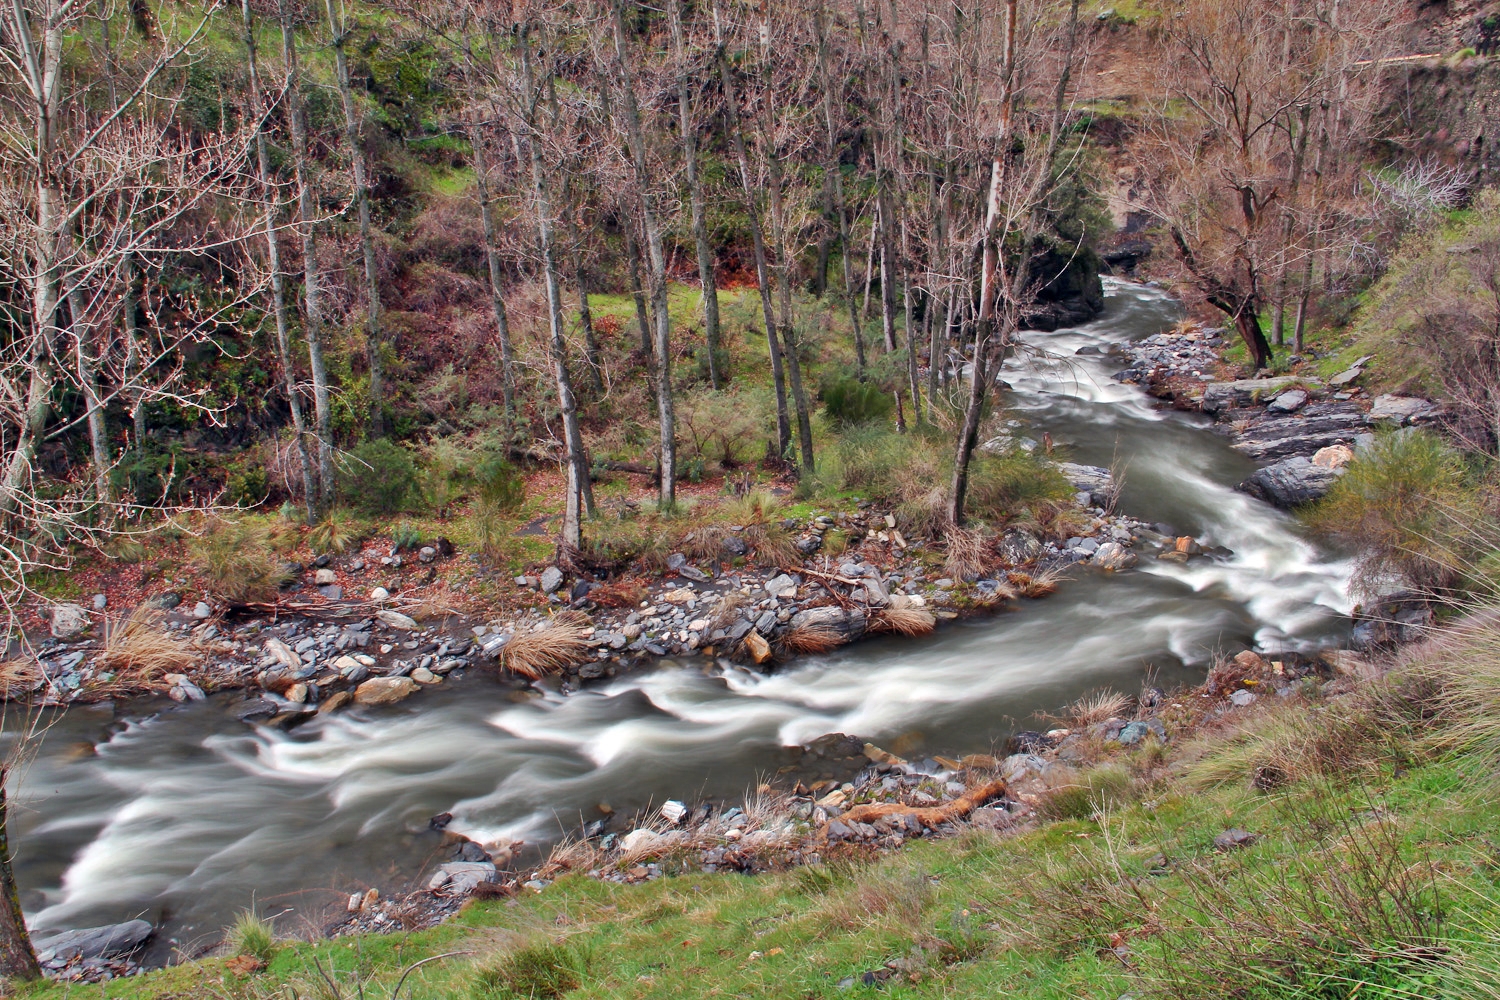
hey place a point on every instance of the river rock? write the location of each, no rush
(282, 653)
(1089, 479)
(335, 701)
(380, 594)
(781, 586)
(1112, 557)
(734, 546)
(94, 942)
(849, 624)
(551, 579)
(1403, 410)
(1392, 620)
(384, 690)
(1221, 396)
(1274, 436)
(324, 577)
(100, 602)
(423, 676)
(459, 878)
(69, 621)
(757, 647)
(1289, 402)
(427, 554)
(201, 610)
(1291, 482)
(396, 619)
(1335, 456)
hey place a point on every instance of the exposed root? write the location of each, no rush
(930, 816)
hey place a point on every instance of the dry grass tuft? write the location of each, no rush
(19, 677)
(909, 620)
(878, 898)
(549, 649)
(619, 594)
(1035, 585)
(968, 553)
(572, 854)
(728, 610)
(815, 637)
(238, 561)
(1099, 706)
(138, 650)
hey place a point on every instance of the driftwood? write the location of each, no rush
(306, 609)
(831, 576)
(930, 816)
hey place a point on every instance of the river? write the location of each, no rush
(183, 815)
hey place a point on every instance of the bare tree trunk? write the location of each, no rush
(129, 306)
(656, 260)
(757, 241)
(784, 260)
(586, 320)
(1278, 315)
(312, 304)
(577, 462)
(836, 180)
(87, 367)
(373, 336)
(864, 308)
(496, 271)
(637, 292)
(278, 277)
(707, 278)
(17, 957)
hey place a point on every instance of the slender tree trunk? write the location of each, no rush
(496, 270)
(864, 308)
(373, 336)
(911, 337)
(312, 300)
(707, 278)
(637, 291)
(586, 320)
(887, 271)
(1299, 151)
(836, 180)
(17, 958)
(134, 354)
(278, 277)
(757, 241)
(87, 367)
(656, 260)
(577, 462)
(784, 261)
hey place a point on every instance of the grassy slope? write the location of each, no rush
(1377, 878)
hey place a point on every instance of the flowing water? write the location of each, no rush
(183, 815)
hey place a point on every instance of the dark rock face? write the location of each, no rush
(1073, 293)
(1274, 436)
(849, 625)
(1393, 620)
(1291, 482)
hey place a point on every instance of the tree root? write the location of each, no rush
(931, 816)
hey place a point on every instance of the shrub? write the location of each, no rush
(1404, 504)
(337, 533)
(499, 491)
(1093, 791)
(252, 936)
(406, 537)
(722, 429)
(541, 971)
(1005, 486)
(848, 401)
(248, 487)
(380, 477)
(237, 561)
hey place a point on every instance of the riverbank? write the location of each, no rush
(1153, 845)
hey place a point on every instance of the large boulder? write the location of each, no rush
(1403, 410)
(1221, 396)
(384, 690)
(1292, 482)
(847, 624)
(1097, 482)
(94, 942)
(1274, 436)
(69, 621)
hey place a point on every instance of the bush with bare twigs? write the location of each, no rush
(550, 648)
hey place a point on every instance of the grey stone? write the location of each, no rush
(1242, 698)
(734, 546)
(676, 561)
(1223, 396)
(552, 578)
(777, 585)
(766, 622)
(333, 592)
(848, 624)
(396, 619)
(1087, 478)
(459, 878)
(1289, 402)
(1235, 837)
(427, 554)
(1291, 482)
(165, 602)
(69, 621)
(202, 610)
(95, 942)
(1113, 556)
(741, 629)
(100, 602)
(1402, 410)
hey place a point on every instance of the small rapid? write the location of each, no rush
(183, 815)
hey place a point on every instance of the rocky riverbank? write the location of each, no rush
(1303, 430)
